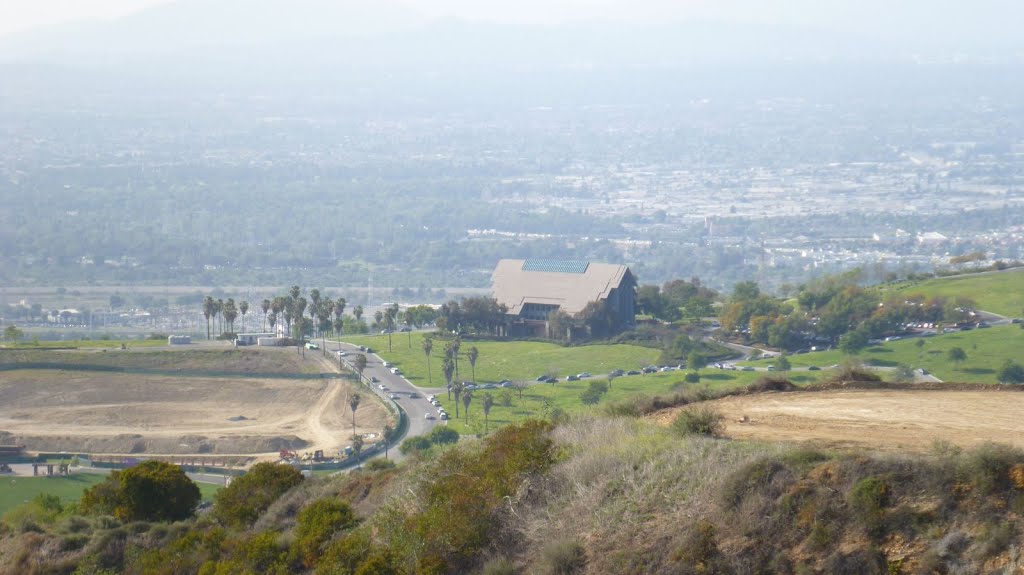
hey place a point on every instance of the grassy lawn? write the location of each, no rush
(515, 360)
(17, 490)
(1001, 293)
(986, 350)
(540, 399)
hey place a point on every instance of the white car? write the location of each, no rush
(396, 371)
(387, 364)
(382, 386)
(428, 416)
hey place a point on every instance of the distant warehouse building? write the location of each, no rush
(534, 289)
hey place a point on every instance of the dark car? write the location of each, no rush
(542, 378)
(550, 380)
(814, 368)
(572, 378)
(618, 373)
(633, 372)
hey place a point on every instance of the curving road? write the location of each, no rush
(411, 399)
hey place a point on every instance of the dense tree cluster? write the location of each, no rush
(150, 491)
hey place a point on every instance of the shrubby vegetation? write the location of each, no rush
(591, 495)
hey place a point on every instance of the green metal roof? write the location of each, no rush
(559, 266)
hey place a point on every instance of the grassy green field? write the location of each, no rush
(541, 399)
(17, 490)
(1001, 293)
(515, 360)
(986, 350)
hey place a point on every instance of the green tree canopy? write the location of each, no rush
(248, 496)
(150, 491)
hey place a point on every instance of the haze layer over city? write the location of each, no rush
(352, 143)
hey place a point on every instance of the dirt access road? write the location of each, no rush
(885, 419)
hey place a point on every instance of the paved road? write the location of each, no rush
(411, 399)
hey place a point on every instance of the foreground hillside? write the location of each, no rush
(595, 495)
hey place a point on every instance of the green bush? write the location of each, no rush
(345, 555)
(700, 420)
(150, 491)
(868, 499)
(415, 445)
(248, 496)
(692, 377)
(315, 525)
(379, 464)
(988, 466)
(443, 435)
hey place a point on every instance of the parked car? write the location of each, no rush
(572, 378)
(814, 368)
(542, 378)
(428, 416)
(394, 396)
(387, 364)
(617, 373)
(747, 368)
(396, 371)
(550, 380)
(311, 345)
(490, 386)
(373, 379)
(583, 375)
(633, 372)
(382, 386)
(444, 416)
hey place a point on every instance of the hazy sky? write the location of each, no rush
(19, 15)
(926, 17)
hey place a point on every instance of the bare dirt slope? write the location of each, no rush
(130, 413)
(887, 419)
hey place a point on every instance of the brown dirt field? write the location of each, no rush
(885, 419)
(100, 412)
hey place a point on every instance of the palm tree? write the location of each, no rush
(265, 306)
(300, 308)
(339, 318)
(471, 355)
(466, 398)
(314, 307)
(360, 364)
(487, 402)
(448, 368)
(208, 305)
(428, 346)
(358, 312)
(357, 446)
(244, 309)
(353, 403)
(230, 313)
(458, 389)
(389, 435)
(456, 344)
(277, 307)
(407, 319)
(217, 309)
